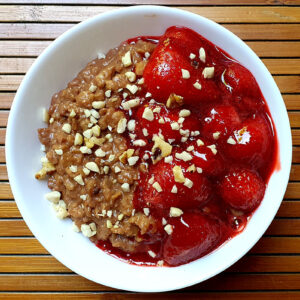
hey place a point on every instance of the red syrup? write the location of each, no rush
(232, 117)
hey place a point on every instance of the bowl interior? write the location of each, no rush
(51, 72)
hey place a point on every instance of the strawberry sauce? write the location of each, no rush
(210, 149)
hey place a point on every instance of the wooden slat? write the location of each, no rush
(286, 84)
(6, 100)
(14, 228)
(19, 65)
(2, 135)
(293, 191)
(148, 296)
(295, 173)
(267, 245)
(9, 209)
(296, 137)
(2, 154)
(3, 118)
(244, 31)
(296, 154)
(225, 281)
(45, 13)
(21, 246)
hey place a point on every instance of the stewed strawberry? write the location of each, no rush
(193, 235)
(172, 185)
(218, 120)
(251, 142)
(242, 189)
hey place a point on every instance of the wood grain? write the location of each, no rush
(47, 13)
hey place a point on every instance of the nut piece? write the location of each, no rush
(78, 139)
(191, 168)
(146, 211)
(88, 133)
(175, 126)
(157, 186)
(131, 103)
(175, 212)
(72, 113)
(130, 76)
(185, 156)
(231, 141)
(66, 128)
(125, 187)
(92, 166)
(132, 88)
(197, 85)
(140, 143)
(131, 125)
(45, 115)
(73, 169)
(79, 179)
(185, 74)
(47, 167)
(164, 147)
(178, 174)
(151, 253)
(192, 56)
(174, 100)
(98, 104)
(59, 151)
(148, 114)
(208, 72)
(200, 142)
(92, 88)
(87, 230)
(96, 130)
(202, 54)
(107, 93)
(132, 160)
(168, 229)
(126, 59)
(174, 189)
(53, 197)
(188, 183)
(213, 149)
(61, 209)
(122, 125)
(100, 153)
(184, 113)
(216, 135)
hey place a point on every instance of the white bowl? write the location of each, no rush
(55, 67)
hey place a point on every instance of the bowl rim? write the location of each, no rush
(146, 9)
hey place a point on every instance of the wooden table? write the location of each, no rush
(271, 270)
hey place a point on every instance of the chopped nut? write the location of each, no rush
(79, 179)
(100, 153)
(141, 81)
(106, 169)
(168, 229)
(83, 197)
(108, 224)
(160, 263)
(175, 126)
(175, 212)
(87, 113)
(191, 168)
(72, 113)
(151, 253)
(92, 88)
(140, 143)
(188, 183)
(85, 150)
(53, 197)
(168, 159)
(157, 109)
(129, 152)
(66, 128)
(213, 149)
(59, 151)
(157, 186)
(161, 120)
(61, 209)
(92, 166)
(120, 217)
(192, 56)
(78, 139)
(208, 72)
(130, 76)
(73, 169)
(178, 174)
(122, 125)
(190, 148)
(148, 114)
(174, 189)
(164, 147)
(184, 113)
(151, 180)
(145, 132)
(216, 135)
(51, 120)
(231, 141)
(147, 54)
(117, 170)
(146, 211)
(148, 95)
(111, 157)
(199, 170)
(131, 125)
(185, 74)
(125, 187)
(86, 171)
(184, 139)
(202, 54)
(47, 167)
(101, 55)
(132, 160)
(185, 156)
(96, 130)
(174, 100)
(197, 85)
(75, 227)
(200, 142)
(126, 59)
(130, 104)
(132, 88)
(88, 133)
(95, 114)
(107, 93)
(98, 104)
(45, 115)
(109, 213)
(87, 230)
